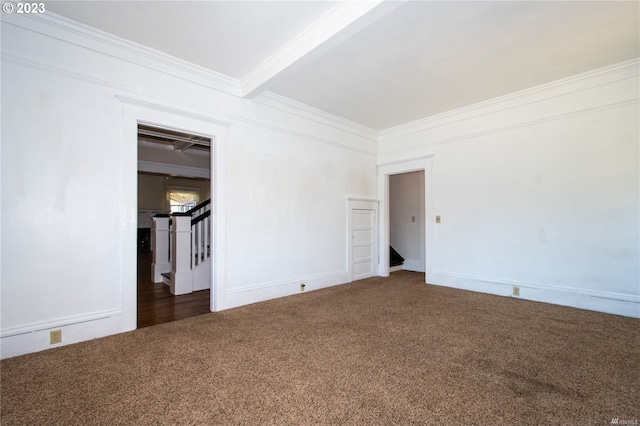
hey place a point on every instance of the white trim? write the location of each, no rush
(307, 112)
(433, 142)
(50, 69)
(401, 163)
(171, 169)
(129, 237)
(594, 300)
(218, 184)
(384, 171)
(59, 322)
(240, 296)
(139, 110)
(587, 80)
(364, 200)
(77, 331)
(531, 284)
(368, 151)
(216, 117)
(270, 284)
(84, 36)
(164, 104)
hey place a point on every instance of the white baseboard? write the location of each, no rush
(627, 305)
(240, 296)
(395, 268)
(37, 339)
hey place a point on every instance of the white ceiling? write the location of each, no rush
(380, 64)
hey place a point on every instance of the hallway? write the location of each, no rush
(156, 304)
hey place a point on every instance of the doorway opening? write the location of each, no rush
(174, 176)
(412, 197)
(407, 221)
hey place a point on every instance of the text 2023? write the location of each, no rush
(30, 8)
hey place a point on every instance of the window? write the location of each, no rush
(182, 199)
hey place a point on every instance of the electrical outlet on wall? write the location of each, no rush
(55, 336)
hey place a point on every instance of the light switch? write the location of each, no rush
(413, 218)
(437, 219)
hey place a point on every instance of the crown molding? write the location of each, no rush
(165, 105)
(126, 95)
(226, 119)
(68, 31)
(84, 36)
(307, 112)
(409, 151)
(587, 80)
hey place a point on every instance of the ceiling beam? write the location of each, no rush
(182, 146)
(337, 24)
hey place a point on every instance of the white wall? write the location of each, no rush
(406, 218)
(69, 201)
(293, 230)
(538, 190)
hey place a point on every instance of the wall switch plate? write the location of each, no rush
(437, 219)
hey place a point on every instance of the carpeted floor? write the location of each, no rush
(378, 351)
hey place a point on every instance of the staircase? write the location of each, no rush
(395, 259)
(181, 244)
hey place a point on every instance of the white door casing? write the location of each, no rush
(384, 171)
(136, 109)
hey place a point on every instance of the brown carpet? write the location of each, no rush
(378, 351)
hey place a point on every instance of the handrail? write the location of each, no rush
(200, 218)
(199, 206)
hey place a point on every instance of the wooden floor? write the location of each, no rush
(156, 304)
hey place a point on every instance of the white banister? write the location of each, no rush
(161, 250)
(181, 249)
(200, 242)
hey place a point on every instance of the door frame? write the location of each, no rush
(137, 109)
(397, 167)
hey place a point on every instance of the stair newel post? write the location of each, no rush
(181, 282)
(160, 236)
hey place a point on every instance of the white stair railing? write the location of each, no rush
(200, 236)
(182, 244)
